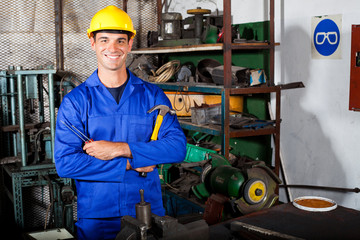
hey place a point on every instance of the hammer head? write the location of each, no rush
(163, 110)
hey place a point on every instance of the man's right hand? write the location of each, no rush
(141, 169)
(145, 169)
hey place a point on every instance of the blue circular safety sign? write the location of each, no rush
(326, 37)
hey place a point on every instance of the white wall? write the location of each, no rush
(319, 135)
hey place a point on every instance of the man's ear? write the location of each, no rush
(92, 42)
(131, 41)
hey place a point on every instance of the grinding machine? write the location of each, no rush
(225, 190)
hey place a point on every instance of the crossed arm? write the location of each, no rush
(106, 150)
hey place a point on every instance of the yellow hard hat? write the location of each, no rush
(111, 18)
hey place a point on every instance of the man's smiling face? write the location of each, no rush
(111, 50)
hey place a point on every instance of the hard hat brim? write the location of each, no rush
(90, 31)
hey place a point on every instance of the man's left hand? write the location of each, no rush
(106, 150)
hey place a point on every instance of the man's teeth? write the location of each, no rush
(112, 56)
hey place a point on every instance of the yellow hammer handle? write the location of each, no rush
(158, 122)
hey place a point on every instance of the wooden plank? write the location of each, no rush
(200, 47)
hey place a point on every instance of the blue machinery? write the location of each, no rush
(27, 146)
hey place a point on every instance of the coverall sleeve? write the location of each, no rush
(70, 159)
(170, 146)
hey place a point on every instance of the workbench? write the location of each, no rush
(288, 222)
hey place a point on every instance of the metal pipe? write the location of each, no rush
(21, 119)
(198, 25)
(52, 113)
(5, 110)
(13, 111)
(225, 122)
(125, 2)
(355, 190)
(59, 39)
(272, 43)
(41, 100)
(227, 43)
(159, 8)
(227, 52)
(281, 159)
(277, 134)
(223, 114)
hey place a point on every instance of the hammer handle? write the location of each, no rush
(158, 123)
(154, 135)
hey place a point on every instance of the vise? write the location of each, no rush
(160, 227)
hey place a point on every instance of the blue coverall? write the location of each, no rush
(105, 189)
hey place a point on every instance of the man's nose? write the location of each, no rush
(112, 46)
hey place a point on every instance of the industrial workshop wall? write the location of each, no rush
(28, 38)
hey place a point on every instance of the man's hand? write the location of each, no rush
(141, 169)
(106, 150)
(145, 169)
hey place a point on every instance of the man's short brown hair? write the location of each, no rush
(129, 34)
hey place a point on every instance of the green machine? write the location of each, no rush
(249, 187)
(224, 190)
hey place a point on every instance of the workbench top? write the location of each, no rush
(288, 222)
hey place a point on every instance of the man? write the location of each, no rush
(111, 107)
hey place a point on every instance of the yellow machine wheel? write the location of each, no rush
(198, 11)
(255, 191)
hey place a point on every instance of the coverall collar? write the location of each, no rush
(94, 81)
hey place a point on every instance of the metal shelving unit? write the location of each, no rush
(227, 89)
(228, 46)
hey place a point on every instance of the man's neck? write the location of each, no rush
(113, 79)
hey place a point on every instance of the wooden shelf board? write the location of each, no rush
(202, 47)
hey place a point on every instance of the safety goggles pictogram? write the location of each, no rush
(320, 37)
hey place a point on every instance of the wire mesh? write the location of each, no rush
(144, 16)
(27, 32)
(36, 202)
(78, 55)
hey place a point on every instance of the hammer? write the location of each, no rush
(163, 110)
